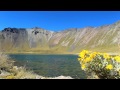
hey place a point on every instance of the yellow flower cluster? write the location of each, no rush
(97, 62)
(109, 67)
(86, 56)
(83, 66)
(83, 54)
(117, 58)
(106, 56)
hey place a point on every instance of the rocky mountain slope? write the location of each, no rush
(104, 39)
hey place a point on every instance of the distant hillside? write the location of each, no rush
(104, 39)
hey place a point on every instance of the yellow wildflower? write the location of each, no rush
(88, 59)
(92, 55)
(83, 66)
(109, 67)
(117, 58)
(83, 53)
(106, 56)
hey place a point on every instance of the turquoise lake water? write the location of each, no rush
(51, 65)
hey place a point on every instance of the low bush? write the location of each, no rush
(99, 65)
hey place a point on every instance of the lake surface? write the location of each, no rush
(51, 65)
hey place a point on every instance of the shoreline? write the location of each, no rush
(37, 53)
(41, 53)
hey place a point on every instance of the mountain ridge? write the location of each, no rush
(104, 38)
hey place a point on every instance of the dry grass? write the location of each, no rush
(5, 62)
(22, 73)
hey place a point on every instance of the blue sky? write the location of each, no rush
(57, 20)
